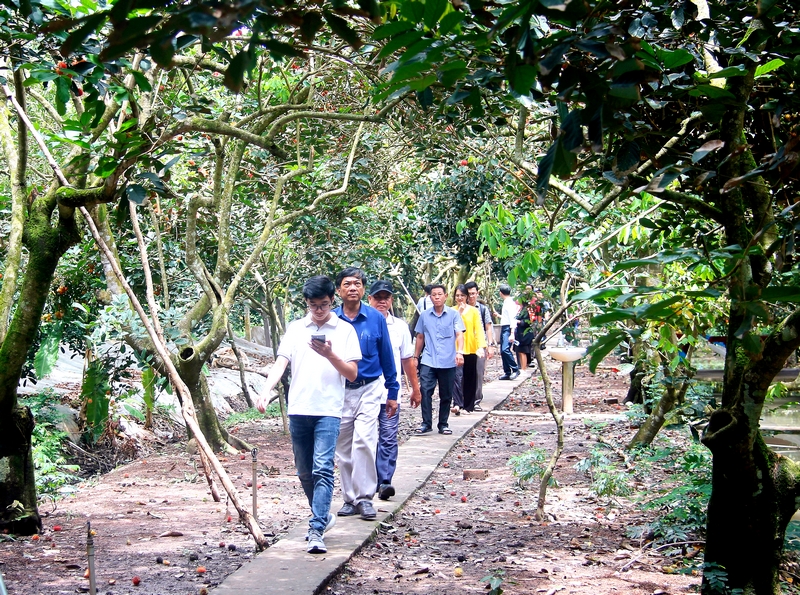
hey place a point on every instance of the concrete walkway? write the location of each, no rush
(285, 567)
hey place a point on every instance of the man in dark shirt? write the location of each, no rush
(358, 435)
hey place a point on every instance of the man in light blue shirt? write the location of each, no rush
(440, 343)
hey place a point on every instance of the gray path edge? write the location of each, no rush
(285, 567)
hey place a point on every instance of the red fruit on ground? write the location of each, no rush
(242, 457)
(464, 162)
(463, 498)
(452, 493)
(229, 519)
(57, 528)
(201, 569)
(221, 544)
(136, 580)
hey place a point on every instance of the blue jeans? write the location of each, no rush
(428, 378)
(386, 457)
(314, 443)
(509, 362)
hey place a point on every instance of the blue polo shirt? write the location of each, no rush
(439, 331)
(376, 347)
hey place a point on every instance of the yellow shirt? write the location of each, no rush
(474, 335)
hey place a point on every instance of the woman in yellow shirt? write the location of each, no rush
(474, 346)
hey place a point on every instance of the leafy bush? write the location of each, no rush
(530, 465)
(49, 460)
(273, 410)
(682, 506)
(607, 480)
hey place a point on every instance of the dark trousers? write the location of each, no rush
(470, 380)
(509, 361)
(428, 379)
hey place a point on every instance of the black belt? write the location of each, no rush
(359, 383)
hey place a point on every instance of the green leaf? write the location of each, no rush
(597, 294)
(450, 21)
(149, 385)
(62, 95)
(707, 148)
(730, 71)
(675, 58)
(341, 27)
(405, 40)
(603, 346)
(141, 81)
(711, 92)
(769, 67)
(615, 315)
(105, 166)
(162, 50)
(781, 294)
(752, 343)
(136, 193)
(74, 39)
(390, 29)
(46, 357)
(523, 78)
(95, 398)
(434, 9)
(234, 74)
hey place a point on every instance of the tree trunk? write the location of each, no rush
(190, 369)
(752, 502)
(18, 510)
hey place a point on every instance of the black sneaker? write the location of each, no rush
(386, 491)
(514, 375)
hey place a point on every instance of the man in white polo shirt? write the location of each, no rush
(380, 298)
(323, 351)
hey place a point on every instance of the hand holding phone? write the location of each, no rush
(320, 338)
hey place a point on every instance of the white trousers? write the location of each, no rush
(358, 442)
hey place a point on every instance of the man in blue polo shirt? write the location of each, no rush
(440, 341)
(357, 445)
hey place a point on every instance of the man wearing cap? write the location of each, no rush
(380, 298)
(358, 436)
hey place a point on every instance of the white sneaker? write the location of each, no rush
(316, 545)
(328, 527)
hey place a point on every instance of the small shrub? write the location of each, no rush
(607, 480)
(530, 465)
(49, 460)
(682, 506)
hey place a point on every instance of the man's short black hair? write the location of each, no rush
(318, 287)
(427, 289)
(351, 272)
(471, 285)
(438, 286)
(504, 289)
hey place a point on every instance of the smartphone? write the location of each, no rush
(320, 338)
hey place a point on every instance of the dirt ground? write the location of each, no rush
(154, 519)
(453, 535)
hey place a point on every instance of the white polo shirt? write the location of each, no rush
(402, 347)
(508, 315)
(317, 388)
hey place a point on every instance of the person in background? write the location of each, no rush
(474, 348)
(425, 302)
(486, 318)
(508, 321)
(381, 298)
(440, 343)
(356, 449)
(324, 353)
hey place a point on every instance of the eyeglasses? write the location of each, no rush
(320, 307)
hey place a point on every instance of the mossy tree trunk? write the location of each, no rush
(754, 491)
(46, 245)
(190, 368)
